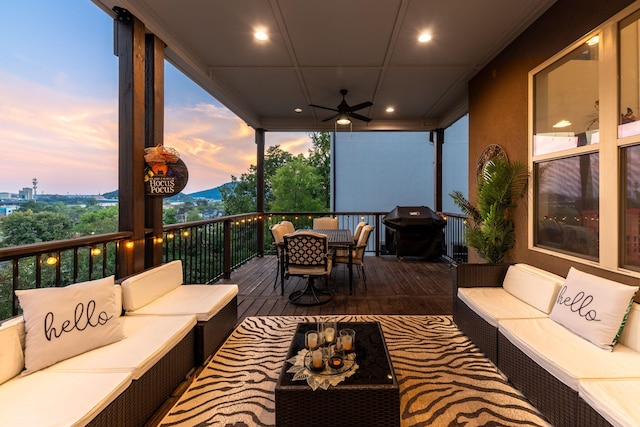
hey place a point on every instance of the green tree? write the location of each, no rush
(240, 196)
(297, 186)
(320, 159)
(25, 227)
(98, 221)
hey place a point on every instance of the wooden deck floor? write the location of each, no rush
(407, 286)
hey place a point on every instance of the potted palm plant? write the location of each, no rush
(490, 227)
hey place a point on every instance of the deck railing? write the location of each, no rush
(209, 249)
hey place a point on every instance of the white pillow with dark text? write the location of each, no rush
(63, 322)
(593, 307)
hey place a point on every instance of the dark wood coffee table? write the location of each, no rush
(370, 397)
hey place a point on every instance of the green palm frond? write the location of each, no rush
(490, 227)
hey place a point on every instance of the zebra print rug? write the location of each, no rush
(444, 380)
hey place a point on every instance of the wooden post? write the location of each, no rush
(154, 135)
(129, 34)
(260, 189)
(437, 169)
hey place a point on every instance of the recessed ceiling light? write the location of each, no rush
(390, 110)
(593, 41)
(424, 37)
(261, 35)
(562, 124)
(298, 110)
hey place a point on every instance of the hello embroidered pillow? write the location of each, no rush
(63, 322)
(593, 308)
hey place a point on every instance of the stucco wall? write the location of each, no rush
(498, 102)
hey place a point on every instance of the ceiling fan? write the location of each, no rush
(344, 112)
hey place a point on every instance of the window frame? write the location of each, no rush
(612, 235)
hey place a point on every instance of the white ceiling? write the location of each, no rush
(317, 47)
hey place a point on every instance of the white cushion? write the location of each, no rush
(64, 322)
(617, 401)
(631, 332)
(534, 286)
(59, 399)
(205, 301)
(593, 307)
(495, 304)
(11, 356)
(148, 339)
(567, 356)
(143, 288)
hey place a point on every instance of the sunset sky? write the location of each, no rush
(58, 107)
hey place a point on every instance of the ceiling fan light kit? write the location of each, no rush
(344, 112)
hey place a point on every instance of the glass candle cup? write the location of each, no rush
(312, 340)
(348, 339)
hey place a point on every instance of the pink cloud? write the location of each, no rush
(69, 142)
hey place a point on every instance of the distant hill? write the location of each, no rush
(211, 194)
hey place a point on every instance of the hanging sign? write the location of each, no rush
(165, 174)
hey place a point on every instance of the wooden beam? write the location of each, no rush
(154, 135)
(438, 140)
(260, 136)
(130, 49)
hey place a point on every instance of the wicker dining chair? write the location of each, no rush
(307, 255)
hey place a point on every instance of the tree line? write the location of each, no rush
(292, 183)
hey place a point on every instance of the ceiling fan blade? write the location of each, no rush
(360, 106)
(359, 117)
(330, 117)
(324, 108)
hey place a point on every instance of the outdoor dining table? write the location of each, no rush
(336, 238)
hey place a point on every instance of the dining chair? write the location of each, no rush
(325, 223)
(278, 231)
(358, 230)
(288, 227)
(357, 257)
(356, 235)
(307, 255)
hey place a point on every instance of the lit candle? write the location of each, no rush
(347, 342)
(312, 340)
(316, 359)
(329, 334)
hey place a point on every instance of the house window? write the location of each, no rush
(567, 101)
(566, 162)
(629, 136)
(585, 149)
(567, 204)
(631, 182)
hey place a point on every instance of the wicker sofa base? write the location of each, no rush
(148, 393)
(558, 402)
(113, 415)
(210, 335)
(587, 416)
(479, 331)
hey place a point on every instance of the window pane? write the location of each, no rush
(631, 174)
(629, 75)
(566, 205)
(567, 102)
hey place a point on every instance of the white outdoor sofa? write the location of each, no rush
(168, 328)
(572, 381)
(159, 291)
(119, 384)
